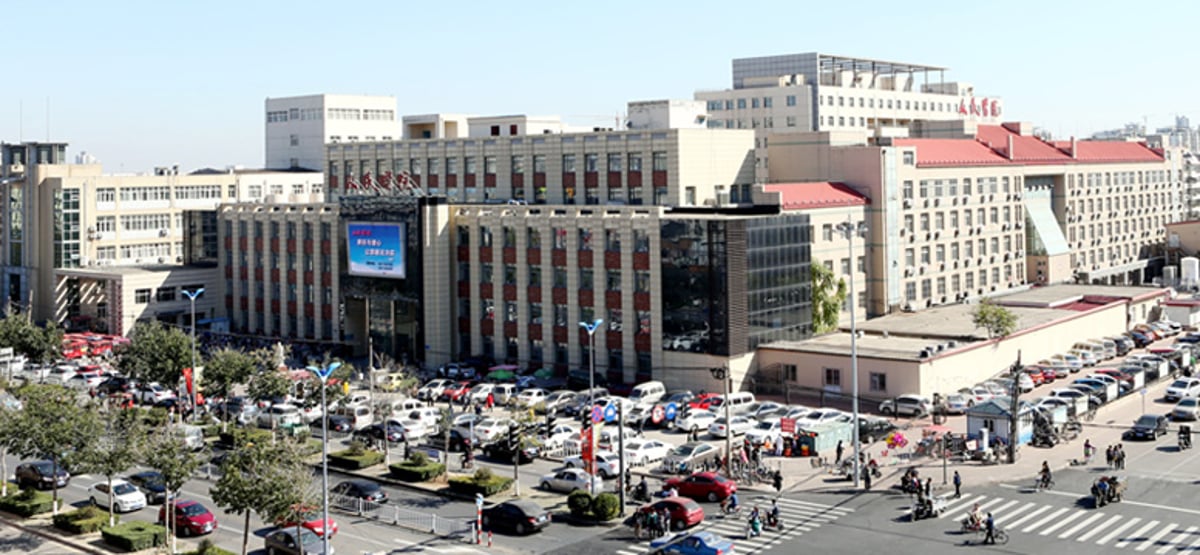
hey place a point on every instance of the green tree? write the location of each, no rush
(176, 462)
(997, 320)
(53, 426)
(828, 294)
(116, 449)
(268, 384)
(264, 478)
(156, 353)
(39, 344)
(225, 369)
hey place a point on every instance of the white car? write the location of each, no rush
(822, 415)
(737, 426)
(569, 480)
(530, 397)
(695, 420)
(491, 429)
(1183, 387)
(796, 411)
(608, 465)
(479, 393)
(279, 416)
(1187, 408)
(608, 436)
(1088, 357)
(308, 415)
(769, 429)
(761, 409)
(154, 392)
(641, 452)
(433, 389)
(411, 429)
(85, 380)
(1074, 362)
(560, 435)
(126, 497)
(464, 424)
(429, 417)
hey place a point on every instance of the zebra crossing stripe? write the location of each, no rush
(964, 512)
(1195, 545)
(1004, 507)
(1071, 531)
(1132, 522)
(1132, 538)
(1022, 520)
(809, 505)
(1062, 522)
(1096, 530)
(963, 500)
(1037, 523)
(1176, 539)
(1154, 539)
(1013, 513)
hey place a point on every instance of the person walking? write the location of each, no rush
(866, 476)
(491, 401)
(928, 488)
(1108, 456)
(957, 485)
(990, 523)
(840, 449)
(1120, 457)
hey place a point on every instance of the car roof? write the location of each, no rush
(525, 505)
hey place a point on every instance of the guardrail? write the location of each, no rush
(407, 518)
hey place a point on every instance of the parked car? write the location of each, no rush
(641, 452)
(84, 381)
(703, 485)
(151, 484)
(455, 391)
(692, 543)
(430, 418)
(433, 389)
(520, 516)
(1148, 426)
(1140, 339)
(568, 480)
(957, 403)
(41, 475)
(704, 400)
(280, 416)
(736, 426)
(491, 429)
(530, 397)
(457, 370)
(695, 420)
(816, 416)
(191, 518)
(769, 429)
(1183, 387)
(152, 393)
(555, 402)
(1187, 408)
(284, 540)
(558, 435)
(125, 497)
(340, 423)
(1088, 358)
(503, 451)
(315, 524)
(608, 465)
(357, 489)
(906, 405)
(690, 456)
(683, 512)
(1069, 360)
(872, 429)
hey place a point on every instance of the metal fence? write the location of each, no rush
(407, 518)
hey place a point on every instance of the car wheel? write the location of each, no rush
(887, 410)
(645, 461)
(545, 486)
(695, 429)
(712, 497)
(570, 464)
(520, 529)
(678, 525)
(270, 551)
(184, 531)
(94, 503)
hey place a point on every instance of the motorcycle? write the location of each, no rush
(774, 523)
(970, 525)
(640, 494)
(754, 527)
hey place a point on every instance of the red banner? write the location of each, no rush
(585, 450)
(187, 376)
(787, 425)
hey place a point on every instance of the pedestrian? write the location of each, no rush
(866, 476)
(840, 449)
(1120, 457)
(666, 520)
(1108, 456)
(641, 426)
(990, 523)
(957, 485)
(928, 488)
(638, 520)
(491, 401)
(478, 409)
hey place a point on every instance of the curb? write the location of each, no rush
(51, 537)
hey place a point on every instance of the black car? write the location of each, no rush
(339, 423)
(116, 385)
(520, 516)
(41, 475)
(871, 429)
(151, 484)
(458, 442)
(1149, 426)
(365, 490)
(283, 540)
(502, 451)
(1140, 339)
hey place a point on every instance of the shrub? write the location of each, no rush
(244, 436)
(409, 472)
(418, 458)
(206, 547)
(580, 503)
(349, 460)
(357, 448)
(83, 521)
(212, 430)
(605, 506)
(482, 482)
(134, 535)
(27, 503)
(483, 474)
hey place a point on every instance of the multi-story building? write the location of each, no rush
(68, 226)
(299, 127)
(996, 208)
(819, 92)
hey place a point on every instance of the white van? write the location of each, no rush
(360, 415)
(1110, 347)
(503, 393)
(1096, 349)
(648, 393)
(739, 402)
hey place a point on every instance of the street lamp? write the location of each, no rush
(591, 331)
(191, 295)
(323, 375)
(851, 231)
(723, 375)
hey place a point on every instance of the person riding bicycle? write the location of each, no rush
(1044, 474)
(975, 517)
(642, 490)
(773, 516)
(729, 504)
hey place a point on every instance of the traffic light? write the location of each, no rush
(550, 418)
(778, 481)
(512, 436)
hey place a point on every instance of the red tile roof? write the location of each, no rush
(820, 194)
(991, 144)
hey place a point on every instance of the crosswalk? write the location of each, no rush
(1100, 527)
(798, 518)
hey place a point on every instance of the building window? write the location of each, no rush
(635, 162)
(510, 274)
(878, 382)
(659, 161)
(585, 239)
(833, 376)
(560, 315)
(612, 280)
(791, 100)
(612, 240)
(560, 277)
(585, 280)
(614, 319)
(909, 157)
(533, 238)
(827, 232)
(590, 162)
(141, 296)
(614, 162)
(165, 294)
(485, 272)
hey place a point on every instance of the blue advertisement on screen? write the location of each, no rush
(375, 249)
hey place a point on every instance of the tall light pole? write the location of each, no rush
(591, 331)
(723, 375)
(323, 375)
(852, 230)
(191, 295)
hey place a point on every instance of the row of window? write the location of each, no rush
(164, 294)
(616, 358)
(968, 281)
(308, 331)
(182, 192)
(143, 222)
(885, 103)
(613, 321)
(273, 228)
(614, 162)
(877, 381)
(293, 289)
(968, 250)
(1111, 229)
(1118, 202)
(1095, 257)
(612, 278)
(1108, 179)
(134, 252)
(937, 188)
(306, 261)
(1006, 214)
(533, 238)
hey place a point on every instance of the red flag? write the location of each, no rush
(187, 376)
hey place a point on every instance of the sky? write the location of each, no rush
(143, 84)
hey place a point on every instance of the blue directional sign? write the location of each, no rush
(610, 413)
(671, 411)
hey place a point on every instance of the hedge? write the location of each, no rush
(579, 502)
(354, 461)
(409, 472)
(484, 482)
(27, 503)
(605, 506)
(242, 436)
(206, 547)
(134, 535)
(82, 521)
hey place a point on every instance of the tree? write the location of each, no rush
(997, 320)
(265, 478)
(225, 369)
(53, 426)
(121, 437)
(156, 353)
(269, 384)
(176, 462)
(38, 344)
(828, 294)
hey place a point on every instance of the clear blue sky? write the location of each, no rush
(148, 83)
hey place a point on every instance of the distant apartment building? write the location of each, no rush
(299, 127)
(821, 92)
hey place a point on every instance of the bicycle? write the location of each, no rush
(1043, 484)
(1000, 536)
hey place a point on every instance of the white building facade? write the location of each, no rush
(299, 127)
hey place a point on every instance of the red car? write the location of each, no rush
(1049, 374)
(191, 518)
(683, 512)
(704, 400)
(455, 391)
(1036, 375)
(1119, 375)
(314, 523)
(703, 485)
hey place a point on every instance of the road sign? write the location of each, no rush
(787, 425)
(479, 500)
(670, 412)
(610, 413)
(657, 414)
(1144, 391)
(597, 415)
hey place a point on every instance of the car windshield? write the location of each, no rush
(683, 450)
(1148, 420)
(766, 425)
(195, 509)
(122, 489)
(1181, 384)
(1189, 402)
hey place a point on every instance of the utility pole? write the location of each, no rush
(722, 374)
(621, 485)
(1013, 418)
